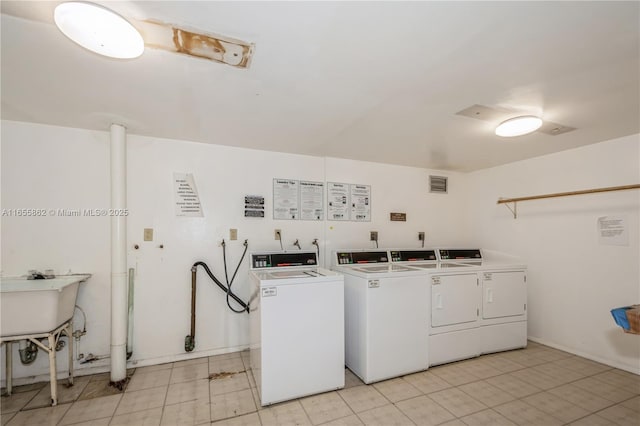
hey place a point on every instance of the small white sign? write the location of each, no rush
(435, 280)
(269, 291)
(374, 284)
(186, 195)
(612, 231)
(488, 276)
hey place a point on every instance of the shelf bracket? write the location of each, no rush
(513, 210)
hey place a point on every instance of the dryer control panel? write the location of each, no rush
(460, 254)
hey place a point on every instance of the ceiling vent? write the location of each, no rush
(438, 184)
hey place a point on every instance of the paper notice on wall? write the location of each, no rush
(361, 203)
(311, 200)
(338, 201)
(285, 199)
(612, 231)
(254, 206)
(186, 195)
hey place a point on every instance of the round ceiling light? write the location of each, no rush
(99, 29)
(518, 126)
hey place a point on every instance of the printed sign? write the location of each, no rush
(186, 195)
(398, 217)
(285, 199)
(612, 231)
(253, 206)
(269, 291)
(338, 201)
(361, 203)
(311, 200)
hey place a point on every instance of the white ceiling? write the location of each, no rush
(374, 81)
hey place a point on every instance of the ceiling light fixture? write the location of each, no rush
(518, 126)
(99, 29)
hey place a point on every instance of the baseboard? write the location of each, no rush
(609, 362)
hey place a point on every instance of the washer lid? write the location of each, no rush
(383, 268)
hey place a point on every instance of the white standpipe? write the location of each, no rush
(119, 308)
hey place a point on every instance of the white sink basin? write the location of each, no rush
(37, 306)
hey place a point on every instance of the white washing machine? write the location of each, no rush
(453, 305)
(386, 323)
(296, 326)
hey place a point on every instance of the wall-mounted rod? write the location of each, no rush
(562, 194)
(566, 194)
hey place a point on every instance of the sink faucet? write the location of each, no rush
(37, 275)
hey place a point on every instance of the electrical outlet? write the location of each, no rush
(420, 236)
(373, 236)
(233, 234)
(277, 234)
(148, 234)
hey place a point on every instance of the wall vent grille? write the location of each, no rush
(438, 184)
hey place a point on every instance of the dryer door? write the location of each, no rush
(454, 299)
(504, 294)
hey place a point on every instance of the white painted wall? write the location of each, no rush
(573, 280)
(56, 167)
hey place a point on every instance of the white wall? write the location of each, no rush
(573, 280)
(55, 167)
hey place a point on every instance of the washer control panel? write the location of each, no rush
(359, 257)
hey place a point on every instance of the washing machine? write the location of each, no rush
(386, 323)
(296, 326)
(503, 301)
(453, 304)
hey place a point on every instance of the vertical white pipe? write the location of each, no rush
(118, 254)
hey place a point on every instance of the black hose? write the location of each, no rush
(222, 286)
(229, 283)
(224, 259)
(246, 246)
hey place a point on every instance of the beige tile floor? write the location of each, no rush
(533, 386)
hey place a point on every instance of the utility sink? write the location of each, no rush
(37, 306)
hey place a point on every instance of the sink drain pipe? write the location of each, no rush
(119, 306)
(130, 314)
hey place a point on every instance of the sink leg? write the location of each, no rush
(9, 366)
(70, 345)
(52, 370)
